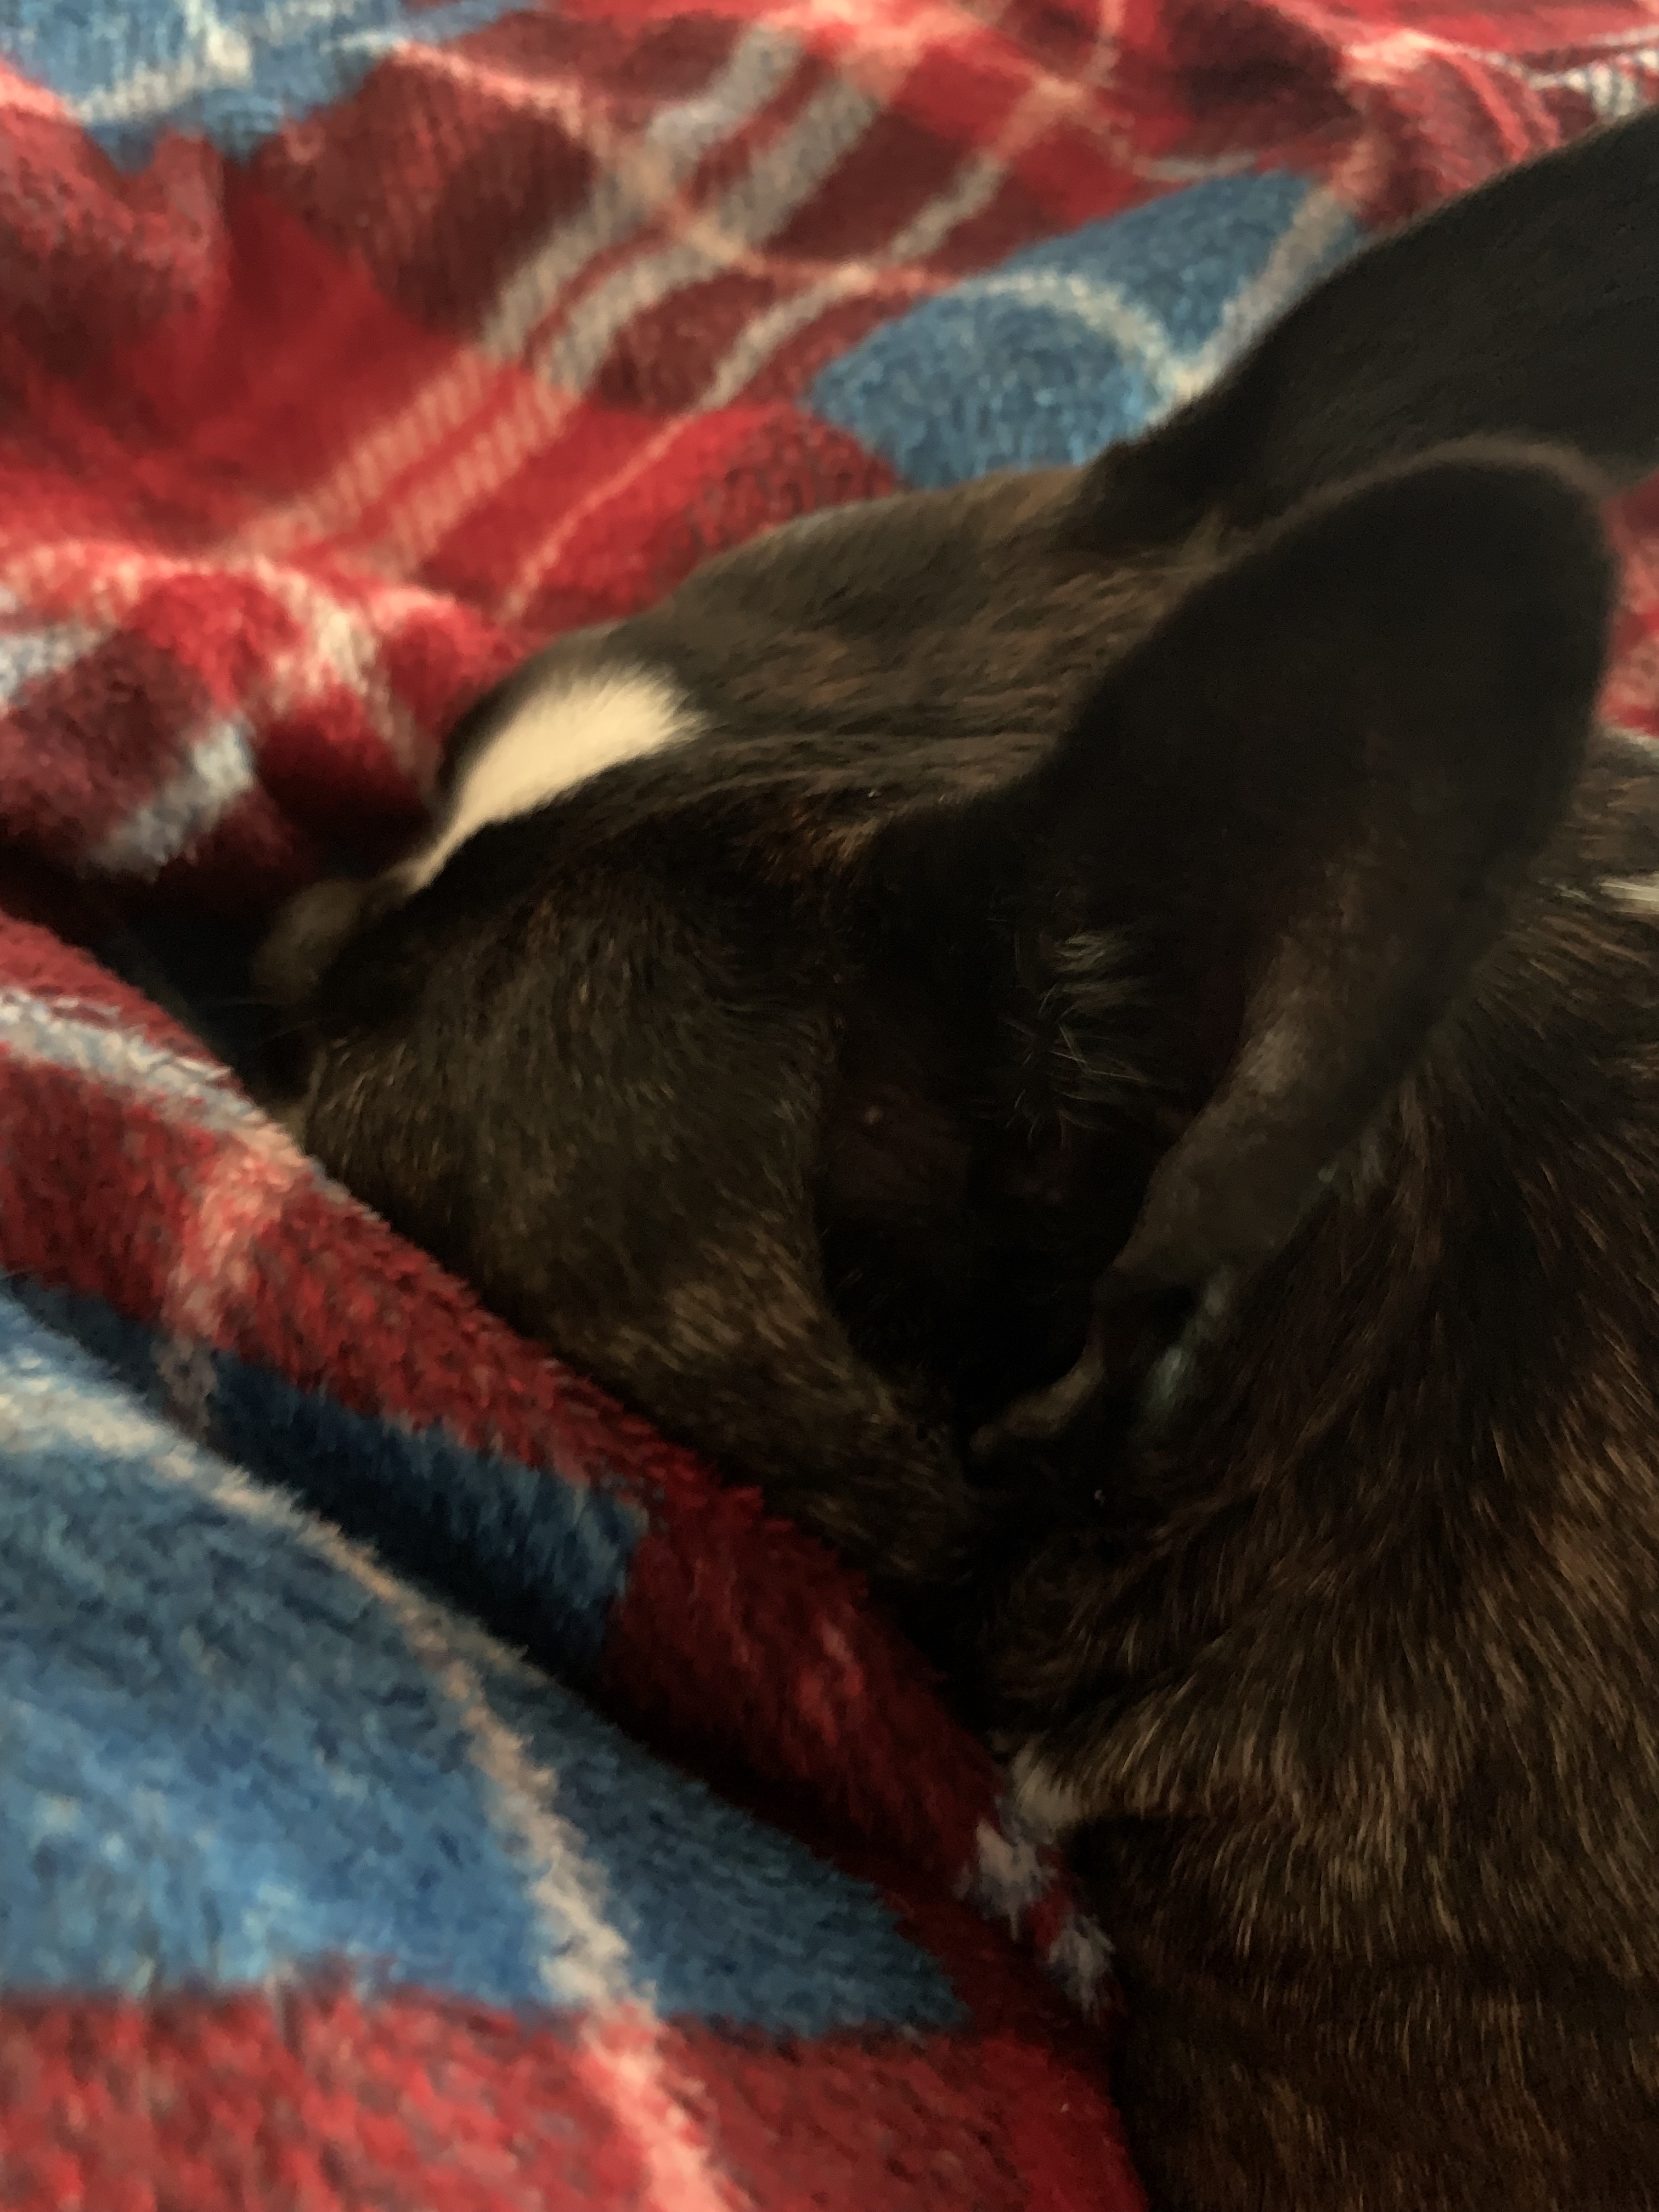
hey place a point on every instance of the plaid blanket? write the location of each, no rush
(421, 1786)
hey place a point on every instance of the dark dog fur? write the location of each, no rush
(1181, 901)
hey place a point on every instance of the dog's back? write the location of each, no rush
(977, 932)
(1356, 1692)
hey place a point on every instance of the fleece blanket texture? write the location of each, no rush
(419, 1786)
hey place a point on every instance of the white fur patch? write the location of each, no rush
(1048, 1806)
(558, 738)
(1639, 893)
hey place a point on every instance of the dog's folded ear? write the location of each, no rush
(1308, 799)
(1528, 309)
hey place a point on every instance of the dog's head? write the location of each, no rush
(1106, 842)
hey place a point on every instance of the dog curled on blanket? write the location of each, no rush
(1171, 926)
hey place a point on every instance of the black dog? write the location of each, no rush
(985, 937)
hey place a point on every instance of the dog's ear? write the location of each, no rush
(1307, 800)
(1528, 309)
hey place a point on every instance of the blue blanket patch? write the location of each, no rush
(237, 1745)
(232, 71)
(537, 1560)
(1087, 339)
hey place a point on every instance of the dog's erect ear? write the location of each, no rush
(1309, 797)
(1528, 309)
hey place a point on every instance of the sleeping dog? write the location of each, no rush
(1097, 1036)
